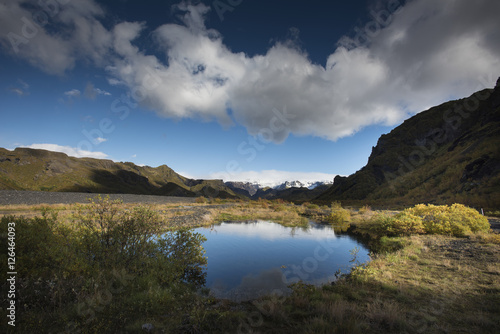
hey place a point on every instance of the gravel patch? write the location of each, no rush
(45, 197)
(495, 223)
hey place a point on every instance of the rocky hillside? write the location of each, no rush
(247, 189)
(449, 153)
(31, 169)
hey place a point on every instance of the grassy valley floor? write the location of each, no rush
(413, 284)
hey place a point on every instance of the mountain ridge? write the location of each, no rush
(448, 153)
(36, 169)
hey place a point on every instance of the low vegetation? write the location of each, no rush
(421, 278)
(110, 269)
(106, 267)
(339, 215)
(455, 220)
(278, 211)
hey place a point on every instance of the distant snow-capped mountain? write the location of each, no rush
(298, 184)
(253, 187)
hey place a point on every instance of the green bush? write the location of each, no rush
(114, 237)
(389, 245)
(381, 224)
(111, 267)
(134, 239)
(339, 215)
(312, 206)
(493, 213)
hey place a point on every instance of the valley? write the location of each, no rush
(447, 154)
(410, 282)
(190, 166)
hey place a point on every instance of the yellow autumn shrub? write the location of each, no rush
(457, 220)
(406, 223)
(339, 215)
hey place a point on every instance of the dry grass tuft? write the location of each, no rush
(387, 313)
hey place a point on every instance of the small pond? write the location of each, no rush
(251, 259)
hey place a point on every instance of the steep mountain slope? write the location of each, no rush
(449, 153)
(31, 169)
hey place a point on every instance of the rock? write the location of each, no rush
(148, 327)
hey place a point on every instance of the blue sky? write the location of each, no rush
(239, 90)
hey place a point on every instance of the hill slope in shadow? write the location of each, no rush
(33, 169)
(447, 154)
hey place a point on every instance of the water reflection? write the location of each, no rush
(252, 286)
(341, 227)
(250, 259)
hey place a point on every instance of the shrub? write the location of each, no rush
(133, 239)
(493, 213)
(403, 223)
(457, 220)
(339, 215)
(280, 207)
(201, 200)
(313, 206)
(364, 209)
(185, 257)
(263, 203)
(406, 223)
(114, 237)
(381, 224)
(114, 265)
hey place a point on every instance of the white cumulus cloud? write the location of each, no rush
(403, 62)
(430, 52)
(80, 34)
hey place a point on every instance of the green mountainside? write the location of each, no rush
(32, 169)
(447, 154)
